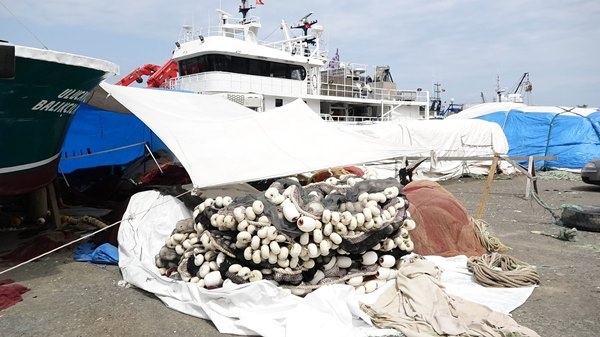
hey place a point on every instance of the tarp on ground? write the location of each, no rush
(98, 137)
(262, 308)
(570, 134)
(221, 142)
(91, 252)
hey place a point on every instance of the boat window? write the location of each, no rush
(279, 70)
(241, 65)
(258, 68)
(298, 73)
(182, 68)
(218, 62)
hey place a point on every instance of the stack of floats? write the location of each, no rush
(342, 230)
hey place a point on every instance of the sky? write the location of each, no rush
(468, 46)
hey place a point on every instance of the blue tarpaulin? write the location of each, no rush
(570, 134)
(573, 139)
(99, 137)
(103, 254)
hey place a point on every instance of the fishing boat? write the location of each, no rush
(229, 60)
(40, 90)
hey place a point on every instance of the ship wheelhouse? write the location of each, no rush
(241, 65)
(257, 77)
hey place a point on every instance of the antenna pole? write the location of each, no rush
(437, 90)
(244, 10)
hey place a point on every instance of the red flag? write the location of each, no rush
(260, 2)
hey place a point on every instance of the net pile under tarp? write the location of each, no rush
(444, 226)
(350, 230)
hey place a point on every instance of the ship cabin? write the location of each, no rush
(229, 61)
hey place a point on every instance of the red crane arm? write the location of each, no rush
(136, 75)
(162, 75)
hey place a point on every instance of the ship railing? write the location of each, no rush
(234, 28)
(355, 81)
(358, 90)
(352, 119)
(294, 46)
(191, 35)
(231, 82)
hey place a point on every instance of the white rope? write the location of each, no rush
(105, 151)
(85, 236)
(60, 247)
(24, 26)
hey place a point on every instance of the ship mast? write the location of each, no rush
(499, 90)
(244, 9)
(305, 25)
(437, 91)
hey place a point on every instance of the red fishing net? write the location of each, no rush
(443, 223)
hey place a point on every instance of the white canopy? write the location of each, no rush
(220, 142)
(448, 142)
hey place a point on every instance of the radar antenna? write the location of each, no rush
(244, 9)
(304, 24)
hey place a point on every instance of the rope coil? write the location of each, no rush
(491, 243)
(499, 270)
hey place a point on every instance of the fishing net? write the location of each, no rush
(444, 226)
(342, 230)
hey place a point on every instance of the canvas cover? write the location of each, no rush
(447, 143)
(220, 142)
(98, 137)
(570, 134)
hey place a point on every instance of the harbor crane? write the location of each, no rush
(523, 85)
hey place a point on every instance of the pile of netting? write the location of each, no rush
(342, 230)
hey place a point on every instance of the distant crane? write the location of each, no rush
(516, 94)
(482, 98)
(523, 85)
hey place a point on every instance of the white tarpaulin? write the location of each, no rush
(443, 139)
(220, 142)
(262, 308)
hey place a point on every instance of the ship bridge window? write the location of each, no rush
(298, 73)
(218, 62)
(279, 70)
(257, 67)
(241, 65)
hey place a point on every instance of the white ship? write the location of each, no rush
(229, 60)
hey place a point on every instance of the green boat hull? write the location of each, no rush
(36, 107)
